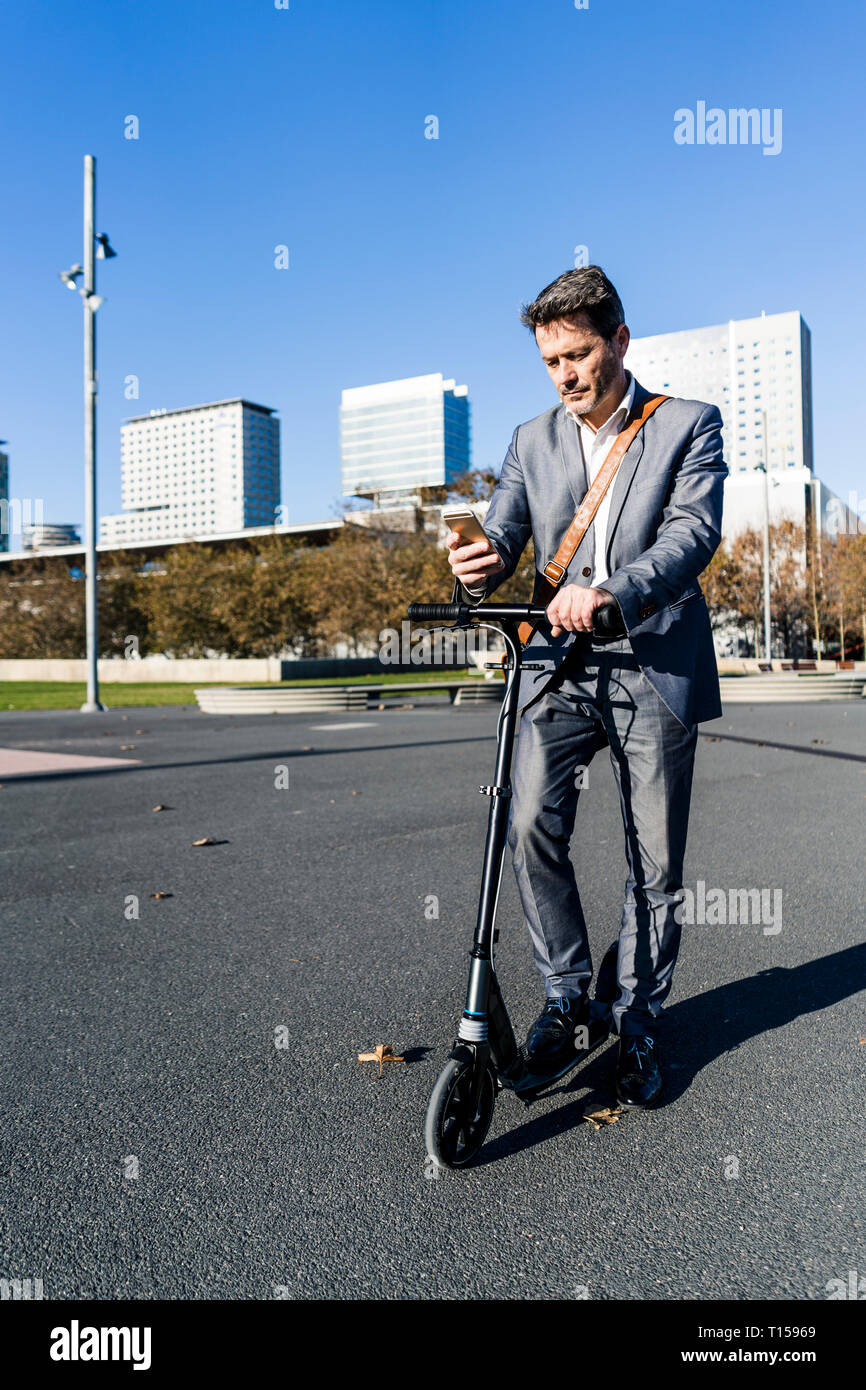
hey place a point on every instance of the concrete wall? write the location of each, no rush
(149, 668)
(748, 665)
(199, 672)
(265, 669)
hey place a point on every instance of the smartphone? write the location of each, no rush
(465, 523)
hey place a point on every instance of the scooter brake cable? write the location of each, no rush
(499, 632)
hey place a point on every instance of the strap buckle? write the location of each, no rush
(554, 565)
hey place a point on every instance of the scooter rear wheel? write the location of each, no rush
(452, 1136)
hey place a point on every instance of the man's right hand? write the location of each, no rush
(472, 564)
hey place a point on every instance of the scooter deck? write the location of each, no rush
(530, 1084)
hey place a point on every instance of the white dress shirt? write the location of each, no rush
(595, 446)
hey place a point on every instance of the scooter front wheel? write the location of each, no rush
(453, 1135)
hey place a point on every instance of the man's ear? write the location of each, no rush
(623, 338)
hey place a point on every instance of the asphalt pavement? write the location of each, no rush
(185, 1114)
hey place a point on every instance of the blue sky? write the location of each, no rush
(305, 127)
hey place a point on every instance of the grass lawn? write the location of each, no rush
(20, 695)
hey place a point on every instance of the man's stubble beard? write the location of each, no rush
(611, 371)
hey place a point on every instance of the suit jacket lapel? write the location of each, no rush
(574, 466)
(625, 472)
(571, 456)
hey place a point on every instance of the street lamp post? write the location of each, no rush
(92, 703)
(96, 247)
(767, 621)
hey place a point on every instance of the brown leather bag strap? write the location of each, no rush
(554, 571)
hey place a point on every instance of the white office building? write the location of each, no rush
(398, 436)
(199, 471)
(746, 367)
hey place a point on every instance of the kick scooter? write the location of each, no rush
(485, 1058)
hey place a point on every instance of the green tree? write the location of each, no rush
(41, 610)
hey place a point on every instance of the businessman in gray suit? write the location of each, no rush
(641, 695)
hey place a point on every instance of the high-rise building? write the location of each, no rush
(745, 367)
(45, 535)
(197, 471)
(4, 501)
(398, 436)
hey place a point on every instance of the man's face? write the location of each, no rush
(582, 365)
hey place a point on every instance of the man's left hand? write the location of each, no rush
(572, 608)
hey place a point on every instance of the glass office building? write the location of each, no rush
(398, 436)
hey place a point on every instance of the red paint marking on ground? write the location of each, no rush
(22, 762)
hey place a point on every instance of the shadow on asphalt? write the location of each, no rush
(280, 753)
(487, 735)
(695, 1032)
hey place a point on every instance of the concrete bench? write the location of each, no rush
(309, 698)
(791, 687)
(488, 693)
(279, 699)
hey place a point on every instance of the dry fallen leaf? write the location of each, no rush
(124, 747)
(162, 895)
(384, 1053)
(160, 807)
(598, 1118)
(205, 840)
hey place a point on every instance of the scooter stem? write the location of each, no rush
(474, 1023)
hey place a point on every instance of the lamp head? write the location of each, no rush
(70, 276)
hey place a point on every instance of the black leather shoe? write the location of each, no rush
(552, 1033)
(638, 1077)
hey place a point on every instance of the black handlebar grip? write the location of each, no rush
(446, 612)
(607, 621)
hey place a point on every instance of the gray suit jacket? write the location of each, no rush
(663, 528)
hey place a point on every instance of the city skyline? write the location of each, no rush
(699, 363)
(404, 245)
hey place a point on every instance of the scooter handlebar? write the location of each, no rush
(429, 612)
(606, 620)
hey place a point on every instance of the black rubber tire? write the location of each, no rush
(442, 1127)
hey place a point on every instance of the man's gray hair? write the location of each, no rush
(587, 291)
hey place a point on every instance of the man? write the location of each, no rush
(642, 696)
